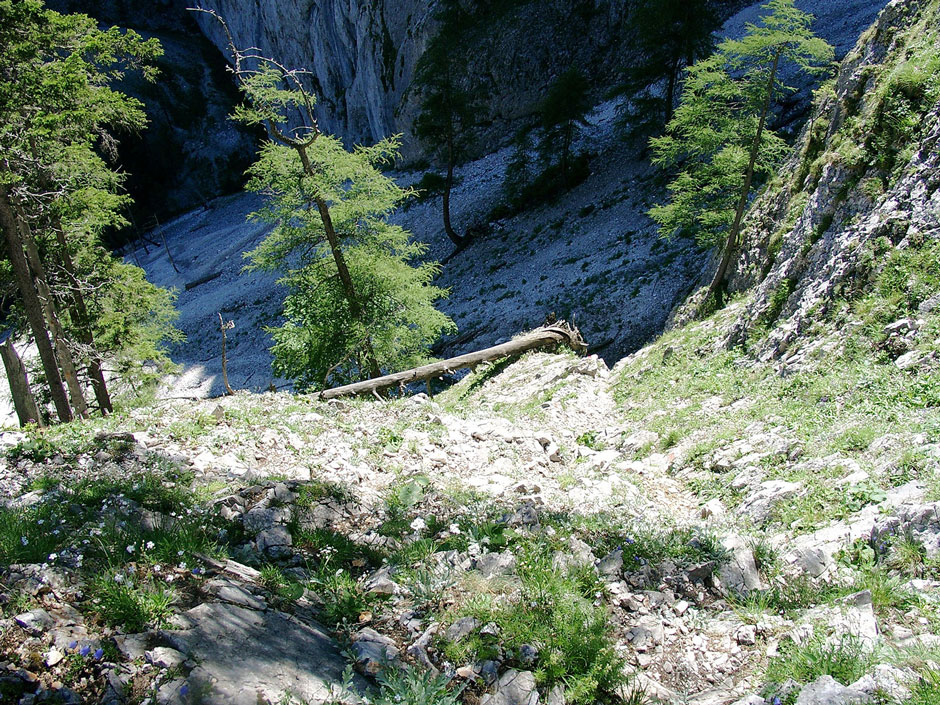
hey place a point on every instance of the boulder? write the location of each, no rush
(514, 688)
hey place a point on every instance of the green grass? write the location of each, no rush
(846, 660)
(132, 604)
(555, 613)
(411, 686)
(847, 396)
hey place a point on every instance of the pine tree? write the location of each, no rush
(356, 303)
(719, 136)
(448, 110)
(56, 194)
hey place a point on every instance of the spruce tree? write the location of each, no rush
(357, 300)
(719, 137)
(562, 114)
(671, 35)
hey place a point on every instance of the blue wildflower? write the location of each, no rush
(184, 690)
(84, 651)
(98, 654)
(73, 644)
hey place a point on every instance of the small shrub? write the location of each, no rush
(410, 686)
(133, 606)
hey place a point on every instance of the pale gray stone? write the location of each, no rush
(492, 564)
(514, 688)
(245, 655)
(825, 690)
(462, 628)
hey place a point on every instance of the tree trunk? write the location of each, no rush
(458, 240)
(349, 289)
(64, 355)
(82, 322)
(544, 337)
(23, 400)
(566, 152)
(671, 89)
(33, 306)
(716, 288)
(223, 326)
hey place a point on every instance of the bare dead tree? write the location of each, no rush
(225, 326)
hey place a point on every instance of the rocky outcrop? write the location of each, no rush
(813, 238)
(362, 56)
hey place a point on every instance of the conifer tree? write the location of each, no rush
(356, 302)
(719, 137)
(57, 194)
(448, 110)
(562, 113)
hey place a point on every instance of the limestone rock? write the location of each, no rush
(244, 654)
(826, 691)
(514, 688)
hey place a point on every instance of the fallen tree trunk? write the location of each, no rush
(202, 280)
(549, 336)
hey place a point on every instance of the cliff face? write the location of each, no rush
(361, 55)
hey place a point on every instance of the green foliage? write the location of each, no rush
(448, 109)
(562, 113)
(57, 104)
(411, 686)
(716, 128)
(926, 690)
(846, 660)
(324, 339)
(671, 34)
(554, 612)
(131, 605)
(132, 321)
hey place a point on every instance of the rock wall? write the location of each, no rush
(362, 55)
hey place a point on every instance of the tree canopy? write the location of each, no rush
(718, 138)
(358, 301)
(59, 112)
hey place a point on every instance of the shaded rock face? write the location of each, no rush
(190, 151)
(362, 56)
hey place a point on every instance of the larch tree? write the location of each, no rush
(357, 299)
(719, 138)
(57, 194)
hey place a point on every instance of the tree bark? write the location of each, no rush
(349, 289)
(458, 240)
(27, 411)
(64, 355)
(541, 338)
(33, 306)
(82, 322)
(223, 326)
(716, 288)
